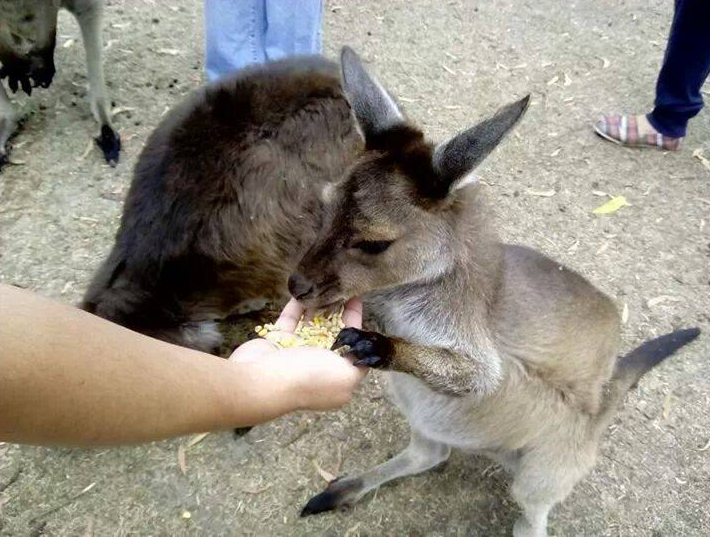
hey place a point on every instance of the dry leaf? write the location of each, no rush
(169, 51)
(541, 193)
(705, 447)
(68, 43)
(660, 299)
(257, 491)
(556, 152)
(625, 314)
(196, 440)
(121, 25)
(600, 193)
(325, 475)
(121, 110)
(605, 63)
(611, 206)
(352, 530)
(553, 80)
(89, 528)
(667, 406)
(698, 154)
(86, 152)
(567, 81)
(339, 462)
(182, 463)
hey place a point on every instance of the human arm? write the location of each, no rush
(70, 378)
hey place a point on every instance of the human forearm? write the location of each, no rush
(67, 377)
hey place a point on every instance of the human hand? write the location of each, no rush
(313, 378)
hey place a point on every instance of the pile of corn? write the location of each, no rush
(318, 332)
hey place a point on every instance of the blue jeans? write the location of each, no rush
(244, 32)
(685, 68)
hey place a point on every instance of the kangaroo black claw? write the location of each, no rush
(12, 82)
(338, 492)
(26, 85)
(369, 348)
(110, 143)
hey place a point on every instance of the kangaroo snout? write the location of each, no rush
(299, 286)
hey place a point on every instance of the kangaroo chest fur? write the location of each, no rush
(416, 317)
(520, 331)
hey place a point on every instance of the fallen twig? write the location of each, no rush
(35, 519)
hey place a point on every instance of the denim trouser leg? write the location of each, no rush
(293, 27)
(243, 32)
(685, 68)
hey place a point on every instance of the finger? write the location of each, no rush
(352, 314)
(291, 314)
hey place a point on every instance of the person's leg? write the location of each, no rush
(293, 27)
(234, 35)
(685, 67)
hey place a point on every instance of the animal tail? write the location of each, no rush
(631, 367)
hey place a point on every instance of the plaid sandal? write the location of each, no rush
(624, 130)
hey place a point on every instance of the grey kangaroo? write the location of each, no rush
(27, 39)
(488, 347)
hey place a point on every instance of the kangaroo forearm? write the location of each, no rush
(442, 369)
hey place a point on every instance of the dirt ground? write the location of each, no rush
(449, 63)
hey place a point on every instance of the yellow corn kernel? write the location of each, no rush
(320, 332)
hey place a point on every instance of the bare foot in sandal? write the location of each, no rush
(634, 131)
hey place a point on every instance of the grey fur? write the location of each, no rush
(375, 109)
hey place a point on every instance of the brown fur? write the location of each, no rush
(223, 198)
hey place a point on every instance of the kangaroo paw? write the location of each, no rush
(369, 348)
(338, 492)
(110, 143)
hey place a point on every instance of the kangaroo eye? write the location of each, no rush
(372, 247)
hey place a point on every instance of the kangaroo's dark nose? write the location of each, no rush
(299, 287)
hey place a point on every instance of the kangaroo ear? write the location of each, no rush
(455, 160)
(375, 109)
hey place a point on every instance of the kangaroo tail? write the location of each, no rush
(631, 367)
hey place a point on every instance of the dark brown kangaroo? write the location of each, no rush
(224, 200)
